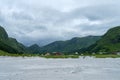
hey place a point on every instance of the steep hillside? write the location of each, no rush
(70, 45)
(34, 49)
(10, 45)
(110, 42)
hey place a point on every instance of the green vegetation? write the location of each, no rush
(70, 45)
(2, 53)
(110, 42)
(10, 45)
(34, 49)
(61, 56)
(107, 56)
(106, 46)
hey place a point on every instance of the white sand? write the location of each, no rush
(12, 68)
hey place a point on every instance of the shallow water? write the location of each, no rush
(12, 68)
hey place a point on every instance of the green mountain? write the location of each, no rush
(34, 49)
(110, 42)
(10, 45)
(3, 34)
(70, 45)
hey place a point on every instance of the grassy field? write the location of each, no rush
(2, 53)
(107, 56)
(62, 56)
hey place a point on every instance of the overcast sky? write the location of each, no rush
(45, 21)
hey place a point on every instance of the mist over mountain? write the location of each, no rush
(11, 45)
(109, 42)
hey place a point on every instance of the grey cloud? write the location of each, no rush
(21, 16)
(45, 21)
(98, 11)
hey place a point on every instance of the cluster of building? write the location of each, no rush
(54, 53)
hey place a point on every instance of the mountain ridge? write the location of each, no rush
(109, 43)
(9, 44)
(68, 45)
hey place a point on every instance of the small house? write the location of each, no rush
(57, 53)
(47, 54)
(118, 53)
